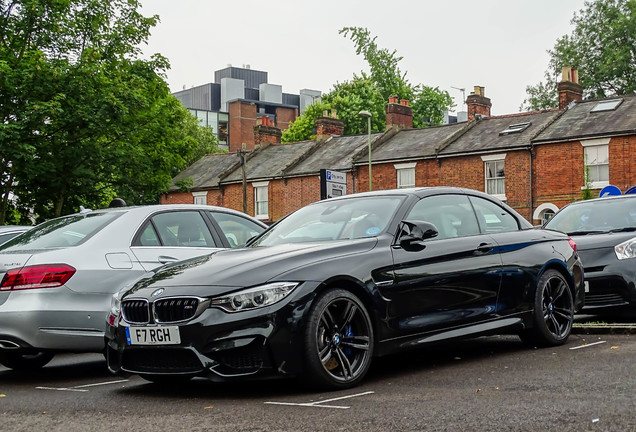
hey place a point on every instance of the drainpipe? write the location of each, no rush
(531, 194)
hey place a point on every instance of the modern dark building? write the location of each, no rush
(210, 103)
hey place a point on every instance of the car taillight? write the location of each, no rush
(37, 276)
(572, 243)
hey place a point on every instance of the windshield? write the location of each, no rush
(61, 232)
(349, 218)
(611, 215)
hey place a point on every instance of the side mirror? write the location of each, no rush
(413, 233)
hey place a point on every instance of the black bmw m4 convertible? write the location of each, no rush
(333, 285)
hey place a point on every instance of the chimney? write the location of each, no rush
(329, 125)
(569, 88)
(478, 104)
(400, 115)
(266, 132)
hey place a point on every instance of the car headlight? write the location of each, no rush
(252, 298)
(626, 249)
(115, 309)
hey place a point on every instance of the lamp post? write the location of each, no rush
(367, 114)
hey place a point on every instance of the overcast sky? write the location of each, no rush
(498, 44)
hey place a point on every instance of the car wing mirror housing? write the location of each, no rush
(414, 233)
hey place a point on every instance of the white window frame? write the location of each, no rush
(200, 198)
(259, 211)
(598, 142)
(404, 170)
(499, 157)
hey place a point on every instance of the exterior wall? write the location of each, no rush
(242, 119)
(284, 116)
(288, 195)
(557, 178)
(461, 171)
(233, 197)
(559, 173)
(468, 172)
(622, 162)
(214, 197)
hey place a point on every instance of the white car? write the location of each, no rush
(7, 232)
(57, 280)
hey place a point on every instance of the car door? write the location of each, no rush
(173, 236)
(520, 251)
(454, 279)
(236, 229)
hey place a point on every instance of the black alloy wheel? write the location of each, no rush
(25, 361)
(553, 311)
(338, 341)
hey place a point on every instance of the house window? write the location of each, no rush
(608, 105)
(495, 178)
(405, 175)
(200, 197)
(514, 128)
(261, 200)
(596, 154)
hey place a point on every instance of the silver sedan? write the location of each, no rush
(57, 280)
(7, 232)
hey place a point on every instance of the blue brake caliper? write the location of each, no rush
(348, 333)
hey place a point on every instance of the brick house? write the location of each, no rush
(536, 162)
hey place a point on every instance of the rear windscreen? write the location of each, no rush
(61, 232)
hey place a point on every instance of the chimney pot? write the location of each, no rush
(404, 102)
(393, 99)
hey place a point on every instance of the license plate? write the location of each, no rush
(165, 335)
(586, 284)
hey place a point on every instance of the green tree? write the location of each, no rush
(371, 91)
(602, 47)
(302, 128)
(429, 103)
(84, 118)
(351, 97)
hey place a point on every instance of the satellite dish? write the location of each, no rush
(609, 191)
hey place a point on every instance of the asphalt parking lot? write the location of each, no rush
(484, 384)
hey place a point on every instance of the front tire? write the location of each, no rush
(24, 361)
(338, 341)
(553, 311)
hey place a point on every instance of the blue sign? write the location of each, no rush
(631, 190)
(609, 191)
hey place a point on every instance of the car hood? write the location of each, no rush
(600, 241)
(246, 267)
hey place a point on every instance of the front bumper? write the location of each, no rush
(221, 346)
(611, 285)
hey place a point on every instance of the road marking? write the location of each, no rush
(81, 388)
(588, 345)
(318, 403)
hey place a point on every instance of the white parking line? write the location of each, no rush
(318, 403)
(81, 388)
(588, 345)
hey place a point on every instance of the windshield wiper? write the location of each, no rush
(586, 232)
(626, 229)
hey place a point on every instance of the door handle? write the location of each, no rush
(164, 259)
(485, 247)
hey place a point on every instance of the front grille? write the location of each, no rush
(160, 361)
(172, 310)
(135, 311)
(604, 299)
